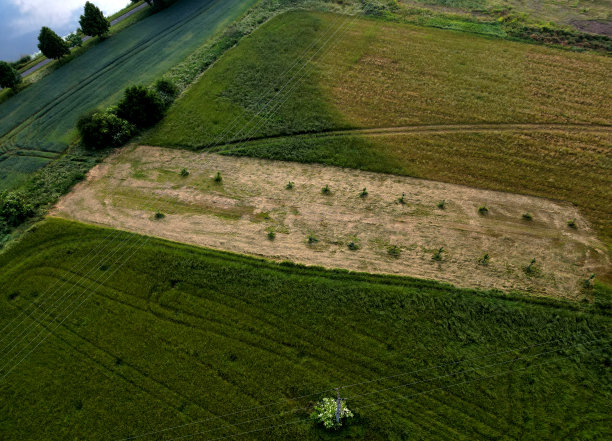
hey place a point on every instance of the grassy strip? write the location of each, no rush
(180, 334)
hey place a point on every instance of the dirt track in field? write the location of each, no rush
(236, 215)
(439, 129)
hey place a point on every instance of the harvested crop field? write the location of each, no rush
(315, 228)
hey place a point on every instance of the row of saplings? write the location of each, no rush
(140, 108)
(394, 250)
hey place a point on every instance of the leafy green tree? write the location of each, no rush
(9, 77)
(93, 21)
(141, 106)
(51, 45)
(74, 40)
(100, 130)
(14, 208)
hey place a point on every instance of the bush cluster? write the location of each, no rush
(14, 209)
(140, 108)
(102, 129)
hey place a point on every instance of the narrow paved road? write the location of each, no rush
(113, 22)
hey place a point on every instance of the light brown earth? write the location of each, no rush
(236, 215)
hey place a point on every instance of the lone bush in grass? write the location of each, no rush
(9, 77)
(484, 260)
(353, 246)
(394, 251)
(588, 283)
(402, 200)
(325, 413)
(100, 130)
(218, 179)
(14, 208)
(527, 216)
(363, 193)
(271, 235)
(531, 268)
(312, 239)
(93, 22)
(51, 45)
(159, 215)
(289, 185)
(442, 204)
(184, 173)
(572, 224)
(438, 254)
(141, 107)
(326, 189)
(483, 210)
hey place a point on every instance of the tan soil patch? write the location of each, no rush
(125, 191)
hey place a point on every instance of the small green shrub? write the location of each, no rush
(353, 246)
(326, 190)
(290, 185)
(442, 204)
(402, 199)
(218, 179)
(484, 260)
(14, 208)
(271, 235)
(324, 413)
(588, 283)
(184, 172)
(531, 268)
(483, 210)
(363, 193)
(167, 91)
(141, 107)
(527, 216)
(572, 224)
(100, 130)
(438, 254)
(159, 215)
(312, 239)
(394, 251)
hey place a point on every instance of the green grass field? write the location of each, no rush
(180, 334)
(42, 118)
(386, 75)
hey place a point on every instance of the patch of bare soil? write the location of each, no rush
(252, 199)
(601, 27)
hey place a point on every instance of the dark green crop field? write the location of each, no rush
(179, 336)
(37, 124)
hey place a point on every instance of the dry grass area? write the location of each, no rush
(236, 215)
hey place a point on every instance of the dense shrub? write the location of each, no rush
(141, 107)
(100, 130)
(14, 208)
(9, 77)
(167, 91)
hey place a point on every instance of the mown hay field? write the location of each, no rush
(352, 228)
(376, 74)
(41, 120)
(179, 335)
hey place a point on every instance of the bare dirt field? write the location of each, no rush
(252, 200)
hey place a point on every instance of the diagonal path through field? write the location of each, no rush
(440, 129)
